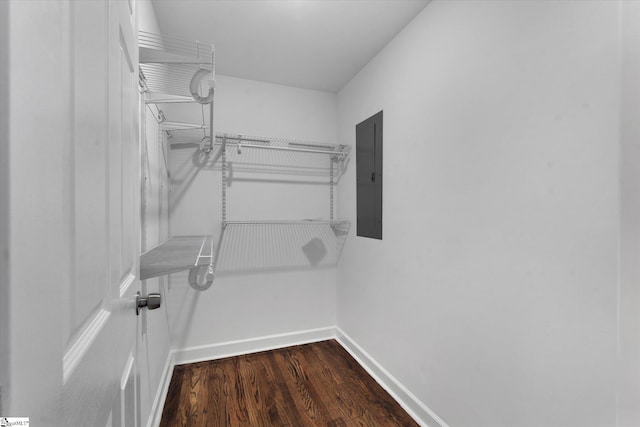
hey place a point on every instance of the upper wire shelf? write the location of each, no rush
(338, 152)
(168, 66)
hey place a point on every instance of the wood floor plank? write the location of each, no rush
(217, 401)
(374, 403)
(350, 395)
(172, 402)
(267, 394)
(328, 384)
(283, 396)
(316, 384)
(255, 397)
(198, 395)
(320, 384)
(295, 380)
(239, 414)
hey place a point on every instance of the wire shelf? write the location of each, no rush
(176, 254)
(253, 155)
(174, 71)
(271, 246)
(278, 160)
(332, 223)
(338, 151)
(168, 64)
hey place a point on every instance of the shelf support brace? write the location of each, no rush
(224, 182)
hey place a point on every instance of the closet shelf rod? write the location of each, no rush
(184, 126)
(169, 100)
(270, 147)
(287, 222)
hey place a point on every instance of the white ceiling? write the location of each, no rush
(314, 44)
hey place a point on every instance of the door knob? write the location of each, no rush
(151, 301)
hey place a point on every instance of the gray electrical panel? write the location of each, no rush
(369, 177)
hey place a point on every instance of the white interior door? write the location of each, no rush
(101, 358)
(69, 212)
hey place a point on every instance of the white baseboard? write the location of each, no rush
(409, 402)
(155, 415)
(251, 345)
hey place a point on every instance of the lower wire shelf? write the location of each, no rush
(262, 246)
(249, 247)
(176, 254)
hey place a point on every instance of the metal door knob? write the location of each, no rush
(151, 301)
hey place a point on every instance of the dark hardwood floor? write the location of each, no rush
(317, 384)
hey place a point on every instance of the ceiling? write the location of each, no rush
(313, 44)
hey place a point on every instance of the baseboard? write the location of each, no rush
(155, 416)
(409, 402)
(251, 345)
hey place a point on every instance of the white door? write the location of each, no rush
(101, 361)
(69, 213)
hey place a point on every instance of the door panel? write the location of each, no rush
(89, 219)
(128, 152)
(128, 397)
(100, 381)
(124, 178)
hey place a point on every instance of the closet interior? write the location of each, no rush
(178, 81)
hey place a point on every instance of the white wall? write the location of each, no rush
(246, 304)
(493, 294)
(4, 205)
(629, 297)
(33, 206)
